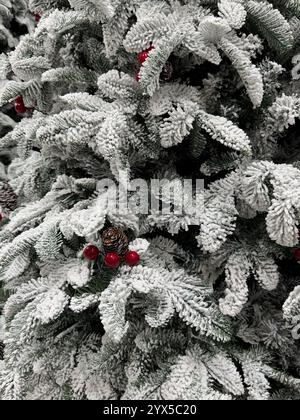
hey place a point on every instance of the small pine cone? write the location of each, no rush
(115, 240)
(8, 198)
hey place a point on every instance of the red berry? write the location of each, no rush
(20, 106)
(138, 77)
(112, 260)
(37, 17)
(91, 252)
(132, 258)
(297, 254)
(143, 56)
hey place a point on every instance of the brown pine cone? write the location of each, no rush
(8, 198)
(115, 240)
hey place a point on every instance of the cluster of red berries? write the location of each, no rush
(111, 259)
(142, 57)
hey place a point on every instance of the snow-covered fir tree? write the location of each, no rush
(15, 21)
(204, 307)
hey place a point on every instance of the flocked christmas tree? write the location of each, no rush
(105, 304)
(15, 21)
